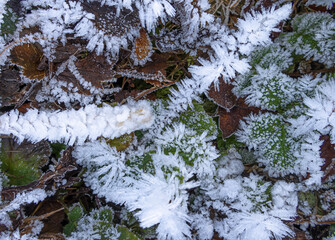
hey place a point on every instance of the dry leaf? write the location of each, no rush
(223, 96)
(95, 69)
(327, 153)
(142, 45)
(53, 223)
(124, 94)
(229, 121)
(29, 57)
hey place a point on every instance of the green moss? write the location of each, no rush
(143, 162)
(19, 170)
(163, 93)
(121, 143)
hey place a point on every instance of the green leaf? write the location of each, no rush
(126, 234)
(75, 213)
(69, 228)
(8, 25)
(198, 120)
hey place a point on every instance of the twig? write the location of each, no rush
(154, 88)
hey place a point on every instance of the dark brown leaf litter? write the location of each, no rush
(231, 109)
(229, 121)
(299, 235)
(109, 21)
(222, 95)
(95, 69)
(328, 153)
(152, 72)
(124, 94)
(11, 87)
(53, 222)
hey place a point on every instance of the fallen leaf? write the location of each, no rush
(52, 236)
(63, 52)
(29, 57)
(66, 164)
(53, 223)
(24, 108)
(124, 94)
(142, 45)
(327, 153)
(229, 120)
(21, 162)
(318, 8)
(223, 96)
(10, 86)
(95, 69)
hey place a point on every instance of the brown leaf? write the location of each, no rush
(152, 72)
(299, 235)
(223, 96)
(158, 64)
(63, 53)
(10, 87)
(29, 57)
(327, 153)
(24, 108)
(95, 69)
(123, 94)
(142, 45)
(318, 8)
(229, 120)
(111, 20)
(52, 236)
(52, 223)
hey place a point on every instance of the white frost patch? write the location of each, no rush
(70, 126)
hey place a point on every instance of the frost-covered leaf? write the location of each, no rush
(268, 135)
(327, 3)
(198, 120)
(29, 57)
(313, 36)
(222, 95)
(8, 22)
(98, 224)
(142, 49)
(126, 234)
